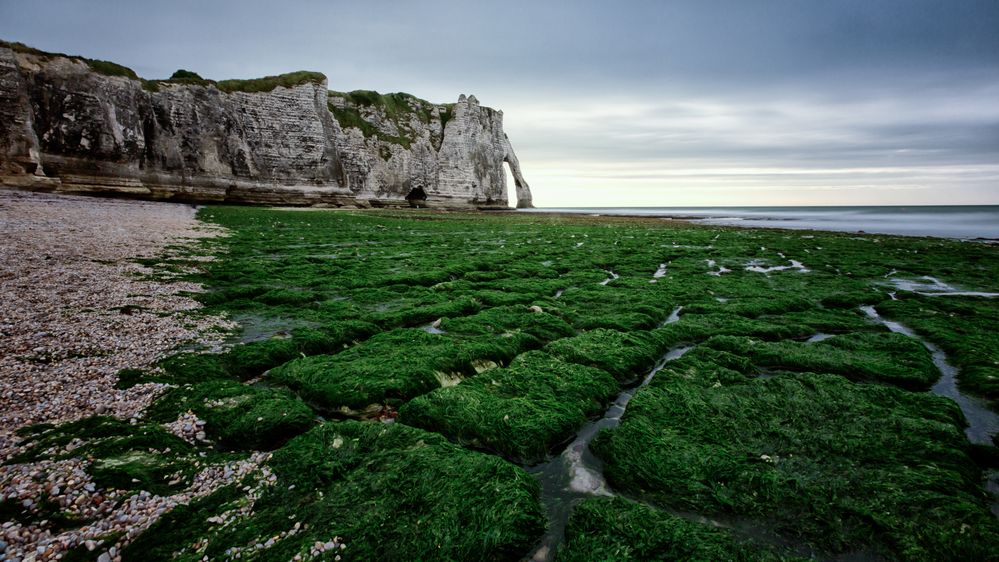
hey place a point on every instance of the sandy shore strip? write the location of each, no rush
(74, 310)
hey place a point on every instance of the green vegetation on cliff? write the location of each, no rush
(349, 117)
(104, 67)
(107, 68)
(396, 109)
(182, 76)
(396, 105)
(268, 83)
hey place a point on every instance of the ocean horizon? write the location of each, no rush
(967, 222)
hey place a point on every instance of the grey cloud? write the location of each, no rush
(591, 87)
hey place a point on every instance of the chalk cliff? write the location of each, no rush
(77, 125)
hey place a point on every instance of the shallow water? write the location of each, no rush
(659, 274)
(577, 473)
(255, 328)
(720, 271)
(818, 337)
(982, 422)
(433, 328)
(933, 287)
(757, 267)
(673, 317)
(957, 221)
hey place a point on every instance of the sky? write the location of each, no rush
(624, 103)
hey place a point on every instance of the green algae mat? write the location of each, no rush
(409, 371)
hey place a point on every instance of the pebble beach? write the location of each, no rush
(75, 308)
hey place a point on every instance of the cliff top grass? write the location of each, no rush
(188, 77)
(107, 68)
(104, 67)
(251, 85)
(268, 83)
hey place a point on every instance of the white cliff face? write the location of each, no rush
(64, 126)
(451, 154)
(474, 151)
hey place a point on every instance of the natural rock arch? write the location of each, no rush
(524, 199)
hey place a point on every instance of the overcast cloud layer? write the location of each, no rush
(703, 102)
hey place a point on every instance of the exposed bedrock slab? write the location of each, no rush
(69, 124)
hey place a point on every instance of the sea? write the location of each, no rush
(968, 222)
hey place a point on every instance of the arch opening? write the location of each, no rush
(511, 185)
(521, 197)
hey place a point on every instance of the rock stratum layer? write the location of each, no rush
(71, 124)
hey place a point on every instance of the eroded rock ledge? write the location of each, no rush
(76, 125)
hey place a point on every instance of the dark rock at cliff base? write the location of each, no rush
(71, 124)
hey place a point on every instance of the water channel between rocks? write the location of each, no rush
(612, 277)
(982, 422)
(577, 473)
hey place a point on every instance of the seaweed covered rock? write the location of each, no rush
(123, 456)
(387, 492)
(840, 466)
(882, 357)
(756, 306)
(616, 529)
(237, 416)
(521, 411)
(247, 360)
(693, 327)
(588, 307)
(391, 368)
(507, 320)
(965, 327)
(812, 443)
(626, 355)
